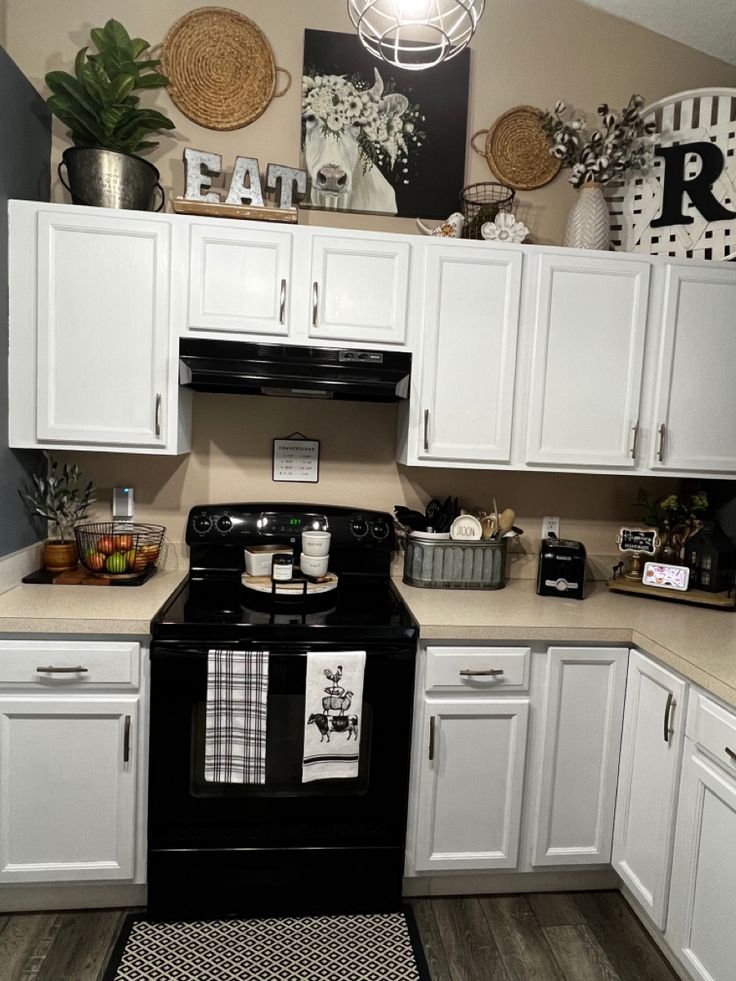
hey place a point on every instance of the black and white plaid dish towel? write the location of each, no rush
(235, 730)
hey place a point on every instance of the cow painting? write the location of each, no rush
(352, 136)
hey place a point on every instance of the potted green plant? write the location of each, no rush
(59, 498)
(677, 518)
(108, 126)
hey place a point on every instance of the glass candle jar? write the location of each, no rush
(282, 567)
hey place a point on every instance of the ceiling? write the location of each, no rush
(708, 25)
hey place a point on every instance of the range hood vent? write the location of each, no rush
(360, 375)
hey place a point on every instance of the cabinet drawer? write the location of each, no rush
(713, 729)
(98, 663)
(477, 669)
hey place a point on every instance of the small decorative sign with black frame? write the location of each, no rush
(638, 540)
(296, 458)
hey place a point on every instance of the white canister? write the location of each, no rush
(314, 565)
(316, 543)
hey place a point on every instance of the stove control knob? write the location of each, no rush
(224, 524)
(380, 530)
(359, 527)
(202, 524)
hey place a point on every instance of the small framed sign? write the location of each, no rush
(296, 458)
(666, 576)
(644, 540)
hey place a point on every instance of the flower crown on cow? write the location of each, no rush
(388, 126)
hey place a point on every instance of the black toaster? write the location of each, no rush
(561, 570)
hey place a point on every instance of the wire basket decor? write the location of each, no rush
(118, 551)
(481, 203)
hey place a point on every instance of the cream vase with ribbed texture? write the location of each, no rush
(587, 224)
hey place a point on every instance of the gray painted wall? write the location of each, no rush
(25, 154)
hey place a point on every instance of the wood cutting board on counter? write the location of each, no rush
(83, 577)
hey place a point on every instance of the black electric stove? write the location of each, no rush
(260, 849)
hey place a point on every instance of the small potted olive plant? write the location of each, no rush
(59, 498)
(106, 123)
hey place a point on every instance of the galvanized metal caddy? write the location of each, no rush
(455, 565)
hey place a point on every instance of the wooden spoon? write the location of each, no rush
(505, 522)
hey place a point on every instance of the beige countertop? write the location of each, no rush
(33, 609)
(699, 643)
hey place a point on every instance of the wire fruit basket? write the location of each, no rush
(118, 551)
(481, 203)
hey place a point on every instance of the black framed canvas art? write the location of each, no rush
(381, 139)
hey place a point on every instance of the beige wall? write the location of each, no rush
(525, 51)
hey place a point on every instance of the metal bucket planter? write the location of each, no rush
(107, 179)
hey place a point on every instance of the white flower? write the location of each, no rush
(504, 228)
(408, 127)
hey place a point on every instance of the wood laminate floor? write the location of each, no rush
(589, 936)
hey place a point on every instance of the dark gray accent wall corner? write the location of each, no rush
(25, 161)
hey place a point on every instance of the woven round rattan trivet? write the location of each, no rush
(220, 68)
(517, 149)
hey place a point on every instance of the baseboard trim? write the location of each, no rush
(655, 933)
(27, 899)
(511, 882)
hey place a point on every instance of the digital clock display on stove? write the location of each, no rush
(290, 524)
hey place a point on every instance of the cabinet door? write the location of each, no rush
(703, 891)
(694, 421)
(581, 739)
(239, 279)
(103, 330)
(587, 362)
(470, 784)
(651, 752)
(471, 325)
(67, 788)
(359, 289)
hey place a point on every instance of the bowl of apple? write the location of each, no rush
(118, 551)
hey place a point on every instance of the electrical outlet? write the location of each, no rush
(550, 526)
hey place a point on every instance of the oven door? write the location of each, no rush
(282, 820)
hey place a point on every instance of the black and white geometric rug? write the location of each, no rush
(372, 947)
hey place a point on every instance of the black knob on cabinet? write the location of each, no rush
(202, 524)
(380, 530)
(224, 523)
(359, 527)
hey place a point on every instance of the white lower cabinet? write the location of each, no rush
(700, 925)
(470, 783)
(581, 737)
(649, 774)
(72, 762)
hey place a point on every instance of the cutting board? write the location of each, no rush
(83, 577)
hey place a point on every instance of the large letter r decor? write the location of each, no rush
(698, 188)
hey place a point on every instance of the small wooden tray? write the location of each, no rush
(699, 597)
(83, 577)
(294, 588)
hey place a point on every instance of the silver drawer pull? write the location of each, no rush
(667, 709)
(282, 303)
(468, 673)
(730, 752)
(126, 740)
(51, 669)
(430, 752)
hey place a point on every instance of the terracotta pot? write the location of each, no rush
(59, 556)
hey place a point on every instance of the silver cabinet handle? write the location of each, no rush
(730, 752)
(157, 413)
(126, 740)
(667, 709)
(426, 429)
(315, 303)
(282, 302)
(431, 737)
(635, 429)
(660, 449)
(468, 673)
(52, 669)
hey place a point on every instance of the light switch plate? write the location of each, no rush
(550, 526)
(122, 504)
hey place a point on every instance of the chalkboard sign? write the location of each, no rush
(638, 540)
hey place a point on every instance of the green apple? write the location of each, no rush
(117, 562)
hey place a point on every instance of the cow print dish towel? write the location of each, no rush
(332, 710)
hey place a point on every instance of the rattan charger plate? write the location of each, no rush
(220, 67)
(517, 149)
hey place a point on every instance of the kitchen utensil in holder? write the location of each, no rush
(481, 203)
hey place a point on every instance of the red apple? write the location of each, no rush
(94, 560)
(106, 544)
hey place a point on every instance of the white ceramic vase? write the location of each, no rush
(587, 224)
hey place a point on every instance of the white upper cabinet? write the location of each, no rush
(651, 753)
(694, 423)
(359, 289)
(588, 353)
(470, 326)
(92, 353)
(239, 279)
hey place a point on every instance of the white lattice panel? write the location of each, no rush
(703, 115)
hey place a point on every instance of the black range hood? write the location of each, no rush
(361, 375)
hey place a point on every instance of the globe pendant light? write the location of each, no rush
(415, 34)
